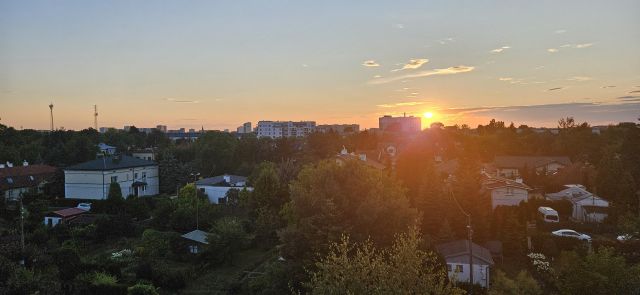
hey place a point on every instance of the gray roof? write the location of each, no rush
(458, 251)
(528, 161)
(220, 181)
(112, 163)
(197, 235)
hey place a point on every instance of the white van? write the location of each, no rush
(548, 214)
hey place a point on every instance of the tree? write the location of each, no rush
(361, 268)
(115, 203)
(142, 289)
(226, 238)
(328, 200)
(523, 284)
(615, 183)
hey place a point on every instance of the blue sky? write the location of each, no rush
(217, 64)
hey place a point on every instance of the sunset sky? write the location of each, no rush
(218, 64)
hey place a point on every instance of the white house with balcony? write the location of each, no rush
(91, 180)
(505, 192)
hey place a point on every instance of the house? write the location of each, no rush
(587, 207)
(15, 181)
(216, 188)
(145, 154)
(344, 156)
(62, 216)
(106, 149)
(456, 255)
(505, 192)
(91, 180)
(514, 166)
(196, 240)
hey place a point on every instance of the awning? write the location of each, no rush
(138, 183)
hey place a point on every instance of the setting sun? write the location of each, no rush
(428, 115)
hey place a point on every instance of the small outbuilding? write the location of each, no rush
(196, 240)
(62, 216)
(456, 254)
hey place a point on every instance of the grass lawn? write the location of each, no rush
(220, 279)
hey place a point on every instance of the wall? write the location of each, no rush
(500, 197)
(95, 184)
(216, 192)
(480, 273)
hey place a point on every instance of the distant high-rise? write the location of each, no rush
(341, 129)
(403, 124)
(278, 129)
(245, 128)
(162, 128)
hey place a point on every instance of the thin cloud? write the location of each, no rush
(554, 89)
(552, 50)
(634, 91)
(413, 64)
(398, 26)
(585, 45)
(505, 79)
(446, 41)
(608, 86)
(501, 49)
(182, 100)
(561, 31)
(377, 76)
(448, 71)
(579, 78)
(629, 97)
(370, 63)
(401, 104)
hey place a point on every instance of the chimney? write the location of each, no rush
(227, 178)
(344, 151)
(363, 157)
(519, 180)
(25, 163)
(9, 164)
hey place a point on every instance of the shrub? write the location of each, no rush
(142, 289)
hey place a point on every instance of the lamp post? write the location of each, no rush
(469, 239)
(195, 178)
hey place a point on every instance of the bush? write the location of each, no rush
(173, 279)
(142, 289)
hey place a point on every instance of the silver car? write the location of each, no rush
(569, 233)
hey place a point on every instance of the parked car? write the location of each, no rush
(548, 214)
(84, 206)
(628, 237)
(569, 233)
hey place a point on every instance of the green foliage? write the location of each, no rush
(364, 269)
(157, 244)
(103, 279)
(328, 200)
(227, 237)
(615, 183)
(599, 272)
(523, 284)
(142, 289)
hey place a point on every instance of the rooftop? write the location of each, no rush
(529, 161)
(197, 235)
(460, 248)
(111, 163)
(223, 180)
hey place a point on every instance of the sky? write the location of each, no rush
(217, 64)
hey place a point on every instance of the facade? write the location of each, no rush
(505, 192)
(587, 207)
(514, 166)
(144, 154)
(405, 124)
(456, 255)
(196, 240)
(216, 188)
(14, 181)
(106, 149)
(279, 129)
(183, 134)
(340, 129)
(245, 128)
(62, 216)
(91, 180)
(361, 157)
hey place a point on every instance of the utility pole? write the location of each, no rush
(22, 212)
(469, 240)
(95, 117)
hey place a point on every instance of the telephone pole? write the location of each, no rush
(95, 117)
(51, 110)
(469, 240)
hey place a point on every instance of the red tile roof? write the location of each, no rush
(24, 176)
(64, 213)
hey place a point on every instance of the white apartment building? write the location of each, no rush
(91, 180)
(278, 129)
(409, 124)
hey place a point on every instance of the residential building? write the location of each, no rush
(91, 180)
(278, 129)
(145, 154)
(404, 124)
(15, 181)
(361, 157)
(62, 216)
(162, 128)
(105, 149)
(196, 240)
(182, 134)
(245, 128)
(514, 166)
(505, 192)
(457, 256)
(587, 207)
(216, 188)
(340, 129)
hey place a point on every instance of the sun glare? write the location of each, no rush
(428, 115)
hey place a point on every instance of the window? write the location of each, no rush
(114, 178)
(9, 180)
(31, 178)
(135, 175)
(222, 200)
(448, 267)
(509, 191)
(144, 175)
(193, 249)
(144, 188)
(459, 268)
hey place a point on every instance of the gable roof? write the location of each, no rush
(491, 182)
(576, 193)
(64, 213)
(234, 180)
(197, 236)
(111, 163)
(24, 176)
(529, 161)
(459, 251)
(368, 162)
